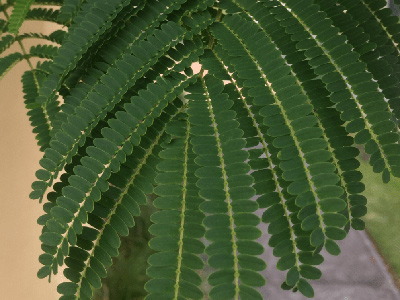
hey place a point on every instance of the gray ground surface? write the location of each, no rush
(358, 273)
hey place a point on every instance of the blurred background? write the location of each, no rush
(19, 156)
(19, 159)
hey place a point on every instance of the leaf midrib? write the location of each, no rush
(226, 189)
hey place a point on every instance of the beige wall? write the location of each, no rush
(19, 232)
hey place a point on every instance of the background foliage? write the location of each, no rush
(267, 128)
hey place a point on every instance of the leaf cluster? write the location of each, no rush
(267, 131)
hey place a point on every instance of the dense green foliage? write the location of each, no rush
(265, 132)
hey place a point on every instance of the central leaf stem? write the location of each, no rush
(226, 189)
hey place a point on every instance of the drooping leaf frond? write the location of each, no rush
(268, 131)
(131, 67)
(43, 14)
(226, 188)
(105, 157)
(8, 62)
(39, 115)
(313, 88)
(351, 86)
(18, 15)
(178, 225)
(31, 81)
(43, 51)
(97, 20)
(117, 206)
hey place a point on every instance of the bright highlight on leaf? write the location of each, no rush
(268, 131)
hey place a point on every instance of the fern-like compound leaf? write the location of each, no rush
(131, 67)
(268, 131)
(97, 20)
(229, 208)
(119, 205)
(31, 81)
(314, 90)
(18, 15)
(348, 86)
(43, 51)
(107, 154)
(178, 224)
(8, 62)
(43, 14)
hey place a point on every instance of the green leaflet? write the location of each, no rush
(305, 288)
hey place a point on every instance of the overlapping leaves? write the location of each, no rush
(267, 135)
